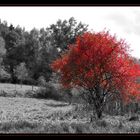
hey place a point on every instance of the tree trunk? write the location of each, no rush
(98, 109)
(99, 101)
(121, 108)
(13, 80)
(136, 108)
(99, 114)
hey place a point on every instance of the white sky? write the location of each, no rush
(124, 21)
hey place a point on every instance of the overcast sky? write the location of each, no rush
(124, 21)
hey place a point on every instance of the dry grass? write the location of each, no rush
(33, 115)
(30, 115)
(12, 87)
(27, 115)
(15, 90)
(29, 109)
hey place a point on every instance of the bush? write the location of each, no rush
(72, 95)
(49, 92)
(78, 128)
(120, 125)
(20, 124)
(55, 91)
(41, 93)
(65, 127)
(101, 123)
(30, 94)
(24, 124)
(66, 95)
(42, 81)
(3, 93)
(4, 75)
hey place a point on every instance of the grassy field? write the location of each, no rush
(26, 115)
(12, 87)
(15, 90)
(21, 114)
(30, 115)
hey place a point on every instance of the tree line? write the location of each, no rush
(25, 56)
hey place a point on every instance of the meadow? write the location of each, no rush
(13, 87)
(31, 115)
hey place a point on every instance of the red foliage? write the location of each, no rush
(99, 59)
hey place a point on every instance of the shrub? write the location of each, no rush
(66, 95)
(4, 75)
(20, 124)
(24, 124)
(120, 125)
(65, 127)
(101, 123)
(6, 126)
(42, 81)
(30, 94)
(3, 93)
(49, 91)
(55, 91)
(81, 127)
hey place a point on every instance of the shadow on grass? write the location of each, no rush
(57, 105)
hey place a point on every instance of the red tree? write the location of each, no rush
(100, 64)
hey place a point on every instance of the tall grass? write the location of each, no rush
(65, 127)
